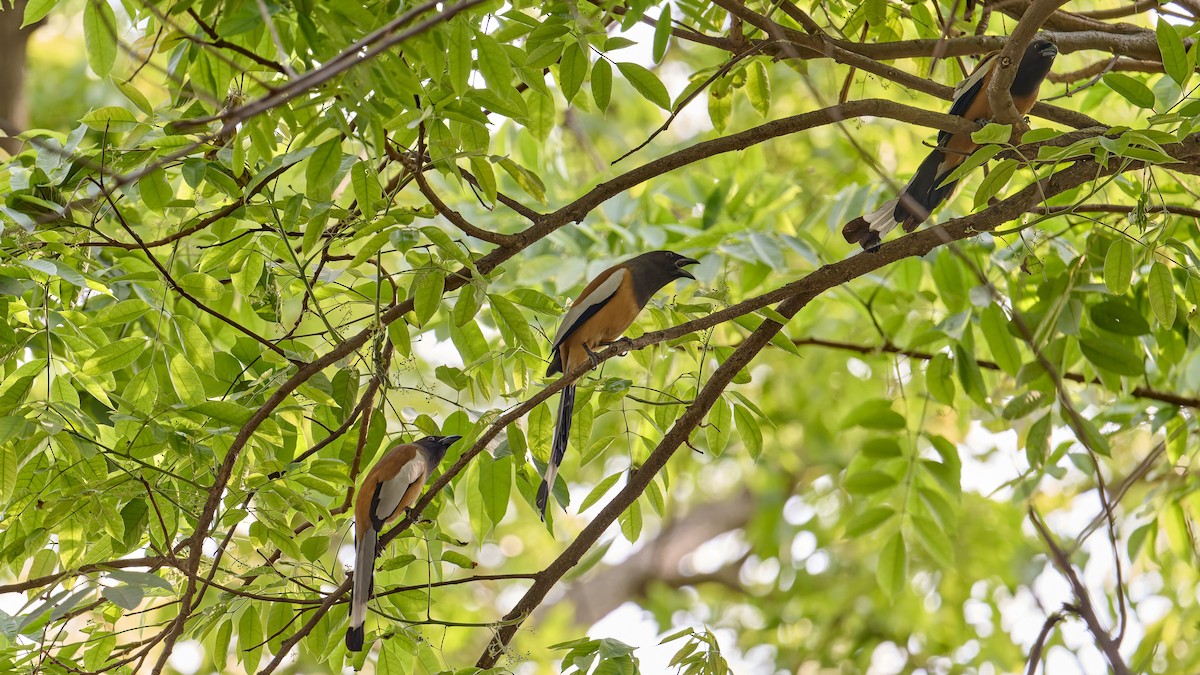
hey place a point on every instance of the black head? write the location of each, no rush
(1035, 65)
(668, 264)
(437, 446)
(653, 270)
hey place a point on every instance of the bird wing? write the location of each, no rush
(399, 470)
(594, 297)
(981, 70)
(967, 90)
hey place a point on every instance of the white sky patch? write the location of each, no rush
(433, 352)
(187, 657)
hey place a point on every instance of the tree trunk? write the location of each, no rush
(14, 117)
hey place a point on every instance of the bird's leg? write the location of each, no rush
(592, 356)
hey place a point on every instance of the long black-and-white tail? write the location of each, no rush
(364, 578)
(916, 201)
(562, 432)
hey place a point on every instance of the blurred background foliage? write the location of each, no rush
(856, 501)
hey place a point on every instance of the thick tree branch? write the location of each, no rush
(1005, 71)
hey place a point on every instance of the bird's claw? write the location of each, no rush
(593, 357)
(624, 345)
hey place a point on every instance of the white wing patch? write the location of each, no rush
(392, 490)
(981, 71)
(601, 293)
(882, 219)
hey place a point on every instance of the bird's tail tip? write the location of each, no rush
(543, 499)
(354, 638)
(859, 231)
(854, 231)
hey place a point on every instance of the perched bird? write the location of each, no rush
(598, 317)
(391, 486)
(925, 191)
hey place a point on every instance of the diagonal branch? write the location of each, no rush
(1003, 110)
(1084, 602)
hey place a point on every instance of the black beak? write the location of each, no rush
(447, 441)
(683, 262)
(1049, 51)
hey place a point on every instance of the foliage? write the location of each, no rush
(284, 236)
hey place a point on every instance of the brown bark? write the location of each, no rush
(659, 559)
(13, 112)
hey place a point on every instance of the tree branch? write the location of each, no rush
(1083, 601)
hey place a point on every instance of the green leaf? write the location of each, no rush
(8, 470)
(100, 36)
(36, 10)
(186, 381)
(995, 181)
(201, 286)
(630, 521)
(992, 133)
(758, 88)
(599, 491)
(494, 64)
(156, 191)
(994, 324)
(144, 579)
(893, 566)
(662, 34)
(718, 427)
(393, 660)
(1037, 441)
(1161, 289)
(121, 313)
(976, 160)
(459, 59)
(322, 168)
(868, 520)
(515, 321)
(748, 430)
(114, 356)
(1112, 355)
(1118, 266)
(485, 176)
(458, 560)
(720, 107)
(884, 447)
(250, 638)
(602, 83)
(111, 118)
(874, 414)
(1023, 404)
(399, 337)
(1179, 537)
(495, 482)
(1115, 316)
(1174, 55)
(969, 375)
(125, 597)
(1134, 91)
(427, 294)
(868, 481)
(939, 379)
(646, 83)
(526, 179)
(935, 540)
(572, 69)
